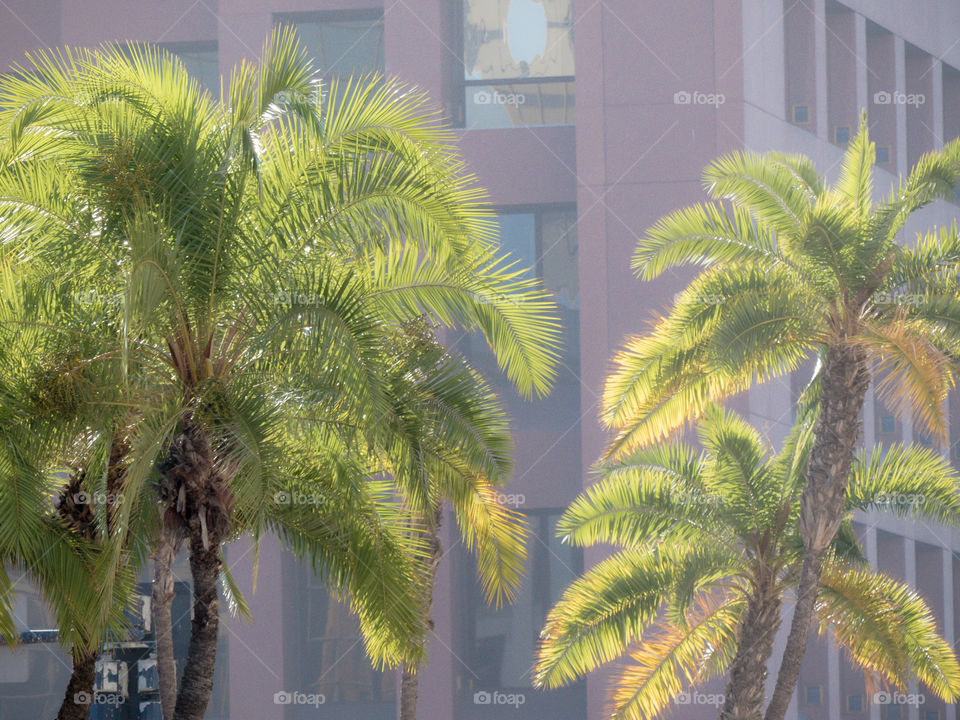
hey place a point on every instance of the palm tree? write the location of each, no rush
(792, 269)
(452, 444)
(709, 543)
(58, 452)
(261, 254)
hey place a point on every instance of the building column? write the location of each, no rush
(870, 543)
(936, 70)
(900, 79)
(860, 33)
(910, 572)
(820, 63)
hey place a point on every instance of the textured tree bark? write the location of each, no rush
(164, 556)
(197, 496)
(746, 688)
(79, 694)
(197, 683)
(844, 386)
(410, 681)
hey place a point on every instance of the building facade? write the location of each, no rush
(586, 120)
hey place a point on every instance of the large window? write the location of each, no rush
(342, 44)
(498, 645)
(518, 62)
(324, 653)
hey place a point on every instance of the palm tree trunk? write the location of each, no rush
(79, 694)
(844, 385)
(746, 688)
(164, 555)
(197, 684)
(410, 681)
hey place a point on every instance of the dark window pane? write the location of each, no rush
(500, 643)
(341, 44)
(325, 656)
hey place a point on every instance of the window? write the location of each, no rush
(813, 695)
(883, 154)
(545, 240)
(517, 62)
(324, 652)
(801, 114)
(841, 135)
(931, 715)
(201, 60)
(498, 645)
(855, 703)
(888, 424)
(342, 44)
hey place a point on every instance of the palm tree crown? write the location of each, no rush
(705, 537)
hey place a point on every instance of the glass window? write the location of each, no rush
(342, 44)
(324, 652)
(201, 60)
(546, 242)
(499, 644)
(518, 62)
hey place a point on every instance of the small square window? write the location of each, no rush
(855, 703)
(931, 715)
(801, 114)
(888, 424)
(883, 154)
(813, 695)
(841, 135)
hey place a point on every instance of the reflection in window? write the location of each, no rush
(341, 43)
(518, 62)
(201, 61)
